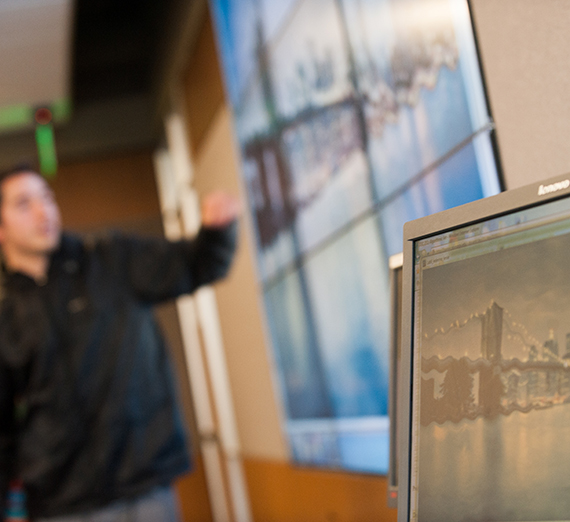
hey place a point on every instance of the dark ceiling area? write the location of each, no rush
(117, 46)
(122, 56)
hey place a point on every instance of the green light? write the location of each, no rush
(46, 150)
(21, 116)
(61, 109)
(15, 116)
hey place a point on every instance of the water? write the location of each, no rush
(510, 468)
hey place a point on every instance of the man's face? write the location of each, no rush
(30, 223)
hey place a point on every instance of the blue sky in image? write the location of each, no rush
(237, 36)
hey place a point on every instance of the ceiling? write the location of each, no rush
(104, 66)
(35, 40)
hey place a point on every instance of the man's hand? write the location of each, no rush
(219, 209)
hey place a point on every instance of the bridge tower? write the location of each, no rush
(551, 344)
(492, 333)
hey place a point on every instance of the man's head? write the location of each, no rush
(30, 223)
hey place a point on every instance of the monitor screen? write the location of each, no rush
(486, 338)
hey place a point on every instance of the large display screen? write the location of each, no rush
(352, 117)
(490, 418)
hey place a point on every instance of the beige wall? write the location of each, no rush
(107, 192)
(525, 46)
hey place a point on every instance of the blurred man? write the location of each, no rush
(88, 417)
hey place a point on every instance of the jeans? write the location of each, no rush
(160, 505)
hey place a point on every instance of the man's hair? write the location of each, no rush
(16, 169)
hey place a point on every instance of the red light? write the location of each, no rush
(393, 494)
(43, 116)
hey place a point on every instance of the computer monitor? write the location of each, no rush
(484, 410)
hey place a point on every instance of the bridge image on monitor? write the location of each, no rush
(455, 388)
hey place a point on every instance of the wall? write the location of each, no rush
(114, 191)
(525, 45)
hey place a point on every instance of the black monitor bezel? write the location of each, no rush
(442, 222)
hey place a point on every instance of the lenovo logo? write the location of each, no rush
(555, 187)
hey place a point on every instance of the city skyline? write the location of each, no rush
(526, 281)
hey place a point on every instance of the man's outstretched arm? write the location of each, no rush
(160, 269)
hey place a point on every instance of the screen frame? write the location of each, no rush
(395, 266)
(481, 210)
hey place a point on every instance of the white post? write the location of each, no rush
(219, 440)
(197, 373)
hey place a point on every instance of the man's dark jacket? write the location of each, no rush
(88, 412)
